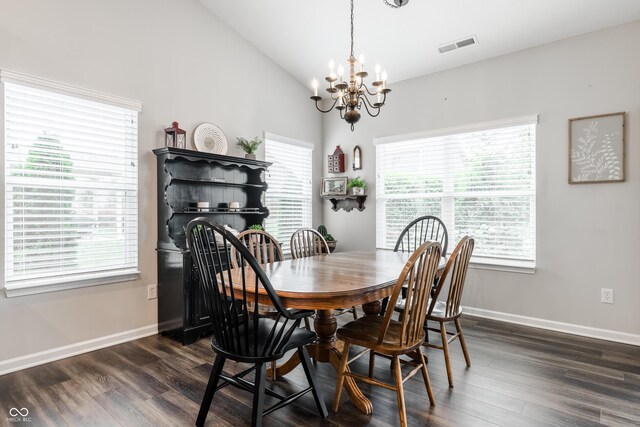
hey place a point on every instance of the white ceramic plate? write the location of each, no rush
(209, 138)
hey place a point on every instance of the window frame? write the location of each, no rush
(77, 280)
(479, 262)
(295, 143)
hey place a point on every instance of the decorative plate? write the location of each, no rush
(209, 138)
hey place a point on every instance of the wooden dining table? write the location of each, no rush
(324, 283)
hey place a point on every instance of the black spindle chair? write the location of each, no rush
(239, 332)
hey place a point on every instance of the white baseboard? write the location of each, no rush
(569, 328)
(42, 357)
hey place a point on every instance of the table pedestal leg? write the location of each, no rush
(327, 350)
(372, 308)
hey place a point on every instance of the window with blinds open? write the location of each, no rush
(71, 189)
(289, 194)
(480, 183)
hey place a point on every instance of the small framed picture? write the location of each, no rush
(334, 186)
(596, 149)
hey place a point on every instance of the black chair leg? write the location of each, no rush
(308, 370)
(383, 306)
(210, 390)
(258, 395)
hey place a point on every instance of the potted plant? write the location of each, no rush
(249, 147)
(256, 227)
(331, 242)
(357, 186)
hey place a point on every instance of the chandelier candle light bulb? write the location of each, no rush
(349, 96)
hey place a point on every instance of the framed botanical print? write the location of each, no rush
(334, 186)
(596, 148)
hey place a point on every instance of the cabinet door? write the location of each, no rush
(198, 313)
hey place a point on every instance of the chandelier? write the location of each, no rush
(349, 96)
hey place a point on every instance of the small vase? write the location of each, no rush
(357, 191)
(250, 156)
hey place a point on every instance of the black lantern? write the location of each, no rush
(175, 137)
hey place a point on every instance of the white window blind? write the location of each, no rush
(289, 196)
(480, 183)
(71, 188)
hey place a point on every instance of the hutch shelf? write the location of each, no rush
(186, 177)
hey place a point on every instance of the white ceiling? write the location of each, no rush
(302, 35)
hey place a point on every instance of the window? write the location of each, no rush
(289, 194)
(70, 187)
(479, 180)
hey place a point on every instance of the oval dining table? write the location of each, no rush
(324, 283)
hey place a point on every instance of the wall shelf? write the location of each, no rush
(347, 202)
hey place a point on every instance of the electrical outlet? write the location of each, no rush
(606, 296)
(152, 291)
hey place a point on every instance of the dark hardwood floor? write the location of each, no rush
(519, 377)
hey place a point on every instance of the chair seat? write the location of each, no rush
(298, 338)
(366, 330)
(438, 312)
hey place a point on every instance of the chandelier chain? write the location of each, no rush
(351, 27)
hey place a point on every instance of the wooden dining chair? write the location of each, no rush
(423, 229)
(262, 245)
(450, 309)
(239, 333)
(393, 338)
(306, 242)
(426, 228)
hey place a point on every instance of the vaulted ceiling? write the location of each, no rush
(303, 35)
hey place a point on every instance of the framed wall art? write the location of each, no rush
(596, 148)
(334, 186)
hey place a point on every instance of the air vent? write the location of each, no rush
(447, 48)
(458, 44)
(466, 42)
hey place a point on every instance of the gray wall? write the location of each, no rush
(184, 64)
(588, 236)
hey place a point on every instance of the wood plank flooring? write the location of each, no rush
(519, 377)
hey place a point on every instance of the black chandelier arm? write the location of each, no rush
(368, 104)
(369, 92)
(326, 111)
(380, 104)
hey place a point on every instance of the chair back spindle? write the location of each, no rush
(306, 242)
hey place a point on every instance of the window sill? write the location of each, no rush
(510, 266)
(80, 281)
